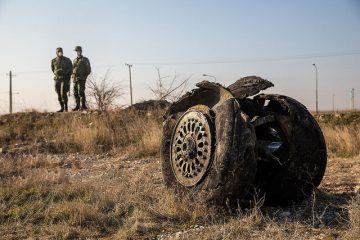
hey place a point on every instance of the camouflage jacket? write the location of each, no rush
(81, 68)
(61, 67)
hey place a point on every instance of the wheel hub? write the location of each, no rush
(191, 147)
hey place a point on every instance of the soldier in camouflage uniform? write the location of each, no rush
(62, 67)
(81, 71)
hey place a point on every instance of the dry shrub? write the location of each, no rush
(150, 141)
(354, 215)
(94, 138)
(343, 141)
(120, 130)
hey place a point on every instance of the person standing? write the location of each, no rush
(62, 67)
(81, 71)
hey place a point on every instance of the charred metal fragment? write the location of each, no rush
(219, 141)
(304, 162)
(208, 93)
(248, 86)
(257, 121)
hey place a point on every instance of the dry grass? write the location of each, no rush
(60, 206)
(342, 141)
(41, 198)
(342, 133)
(76, 132)
(130, 130)
(354, 215)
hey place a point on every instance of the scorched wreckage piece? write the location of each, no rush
(218, 143)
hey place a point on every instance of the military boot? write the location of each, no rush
(84, 107)
(62, 107)
(77, 108)
(83, 104)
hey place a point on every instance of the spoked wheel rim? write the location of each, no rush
(192, 147)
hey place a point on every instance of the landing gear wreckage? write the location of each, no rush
(219, 142)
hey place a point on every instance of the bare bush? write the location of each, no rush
(103, 93)
(169, 90)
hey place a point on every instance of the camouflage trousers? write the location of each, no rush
(79, 92)
(62, 87)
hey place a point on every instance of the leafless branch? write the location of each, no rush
(103, 93)
(171, 91)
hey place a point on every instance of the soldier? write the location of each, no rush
(62, 67)
(81, 71)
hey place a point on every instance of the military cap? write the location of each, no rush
(59, 49)
(78, 48)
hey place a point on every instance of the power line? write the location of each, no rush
(225, 61)
(259, 59)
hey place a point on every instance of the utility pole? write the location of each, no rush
(317, 102)
(10, 91)
(131, 97)
(352, 99)
(333, 102)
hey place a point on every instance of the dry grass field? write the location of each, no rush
(97, 175)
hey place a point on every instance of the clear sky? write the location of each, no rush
(277, 40)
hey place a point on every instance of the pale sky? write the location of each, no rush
(277, 40)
